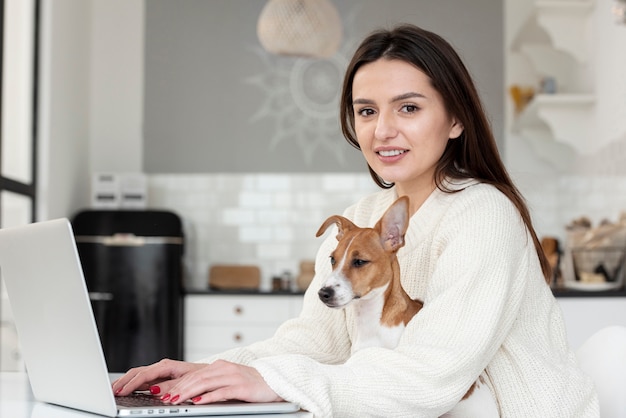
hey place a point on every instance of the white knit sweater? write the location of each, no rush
(470, 259)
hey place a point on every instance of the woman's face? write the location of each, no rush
(401, 123)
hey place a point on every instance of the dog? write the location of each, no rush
(366, 275)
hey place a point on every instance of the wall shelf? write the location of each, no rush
(570, 118)
(565, 22)
(555, 42)
(566, 118)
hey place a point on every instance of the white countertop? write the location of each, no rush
(16, 401)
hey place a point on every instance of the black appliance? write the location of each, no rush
(132, 261)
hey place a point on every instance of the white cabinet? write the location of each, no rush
(586, 315)
(214, 323)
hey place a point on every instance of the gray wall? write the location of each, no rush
(216, 102)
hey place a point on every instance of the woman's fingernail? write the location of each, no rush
(117, 392)
(175, 398)
(155, 390)
(165, 397)
(196, 399)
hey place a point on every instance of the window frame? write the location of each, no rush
(7, 184)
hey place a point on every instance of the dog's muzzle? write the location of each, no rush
(326, 294)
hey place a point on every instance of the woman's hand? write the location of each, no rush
(165, 372)
(176, 382)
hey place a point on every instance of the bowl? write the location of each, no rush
(599, 268)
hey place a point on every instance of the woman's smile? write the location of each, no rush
(389, 155)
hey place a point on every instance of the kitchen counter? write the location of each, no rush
(253, 292)
(17, 401)
(558, 292)
(563, 292)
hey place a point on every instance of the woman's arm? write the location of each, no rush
(318, 333)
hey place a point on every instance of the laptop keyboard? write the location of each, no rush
(139, 399)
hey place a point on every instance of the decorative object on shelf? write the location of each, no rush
(306, 28)
(284, 282)
(619, 11)
(234, 277)
(595, 257)
(521, 96)
(548, 85)
(599, 267)
(307, 271)
(551, 248)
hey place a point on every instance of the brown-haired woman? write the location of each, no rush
(471, 255)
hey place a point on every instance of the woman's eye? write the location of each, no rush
(366, 111)
(409, 108)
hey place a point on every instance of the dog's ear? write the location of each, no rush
(393, 225)
(342, 223)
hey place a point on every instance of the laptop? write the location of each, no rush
(57, 331)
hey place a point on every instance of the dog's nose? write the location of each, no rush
(326, 293)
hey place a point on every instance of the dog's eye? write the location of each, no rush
(359, 263)
(332, 260)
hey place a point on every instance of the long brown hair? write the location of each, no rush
(475, 153)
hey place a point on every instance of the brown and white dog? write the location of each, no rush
(366, 274)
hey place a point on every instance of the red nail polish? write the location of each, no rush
(196, 399)
(117, 392)
(165, 397)
(155, 390)
(175, 398)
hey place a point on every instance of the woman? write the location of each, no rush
(471, 254)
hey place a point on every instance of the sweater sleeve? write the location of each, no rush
(474, 265)
(318, 333)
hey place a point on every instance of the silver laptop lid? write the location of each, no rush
(57, 332)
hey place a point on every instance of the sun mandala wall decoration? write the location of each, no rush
(301, 96)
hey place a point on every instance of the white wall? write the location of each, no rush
(64, 106)
(91, 98)
(116, 82)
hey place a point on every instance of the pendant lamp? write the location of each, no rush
(306, 28)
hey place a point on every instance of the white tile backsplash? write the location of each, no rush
(270, 220)
(256, 234)
(239, 216)
(254, 199)
(555, 202)
(275, 182)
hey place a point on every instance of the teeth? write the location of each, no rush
(390, 153)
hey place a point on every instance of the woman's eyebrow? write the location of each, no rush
(409, 95)
(362, 102)
(398, 98)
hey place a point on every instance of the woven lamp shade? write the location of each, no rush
(308, 28)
